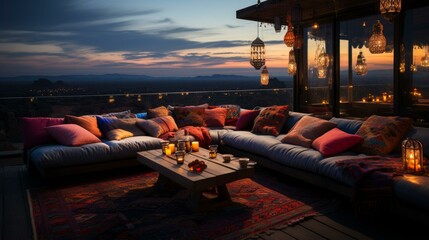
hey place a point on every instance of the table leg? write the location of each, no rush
(223, 193)
(194, 200)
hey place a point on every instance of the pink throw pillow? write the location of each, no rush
(34, 130)
(335, 141)
(215, 117)
(246, 119)
(71, 135)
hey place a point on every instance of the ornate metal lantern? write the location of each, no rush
(257, 53)
(323, 59)
(412, 156)
(292, 67)
(390, 8)
(361, 68)
(265, 76)
(377, 41)
(289, 38)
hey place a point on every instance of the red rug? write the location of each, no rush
(128, 207)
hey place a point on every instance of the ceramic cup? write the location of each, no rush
(227, 157)
(243, 162)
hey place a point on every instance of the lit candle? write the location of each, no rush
(168, 151)
(195, 146)
(171, 146)
(180, 157)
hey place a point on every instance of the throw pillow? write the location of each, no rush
(118, 134)
(71, 135)
(108, 124)
(142, 115)
(382, 134)
(189, 116)
(215, 117)
(271, 120)
(87, 122)
(157, 112)
(123, 114)
(306, 130)
(155, 127)
(335, 141)
(246, 119)
(232, 115)
(35, 132)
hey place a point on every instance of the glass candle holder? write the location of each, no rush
(181, 145)
(164, 145)
(195, 146)
(180, 157)
(212, 151)
(168, 152)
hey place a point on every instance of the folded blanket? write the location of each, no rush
(373, 183)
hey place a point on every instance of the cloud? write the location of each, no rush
(232, 26)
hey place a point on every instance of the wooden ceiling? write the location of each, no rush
(311, 9)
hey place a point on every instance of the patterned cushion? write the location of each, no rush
(215, 117)
(155, 127)
(335, 141)
(87, 122)
(157, 112)
(271, 120)
(189, 116)
(71, 135)
(118, 134)
(35, 132)
(382, 134)
(123, 114)
(306, 130)
(232, 115)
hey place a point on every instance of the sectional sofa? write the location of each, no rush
(301, 162)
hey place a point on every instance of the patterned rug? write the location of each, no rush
(129, 207)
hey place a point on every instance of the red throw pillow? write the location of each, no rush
(34, 130)
(246, 119)
(87, 122)
(71, 135)
(215, 117)
(335, 141)
(306, 130)
(189, 116)
(271, 120)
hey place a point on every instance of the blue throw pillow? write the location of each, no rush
(105, 124)
(142, 115)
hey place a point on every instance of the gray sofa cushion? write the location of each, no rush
(250, 142)
(347, 125)
(413, 190)
(328, 168)
(217, 135)
(53, 156)
(295, 156)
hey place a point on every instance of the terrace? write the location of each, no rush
(396, 83)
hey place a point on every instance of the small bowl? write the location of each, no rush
(227, 157)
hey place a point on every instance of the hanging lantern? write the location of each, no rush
(425, 61)
(413, 68)
(412, 156)
(321, 72)
(402, 67)
(390, 8)
(291, 69)
(361, 68)
(377, 41)
(257, 53)
(265, 76)
(289, 38)
(323, 59)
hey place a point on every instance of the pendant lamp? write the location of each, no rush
(361, 67)
(289, 38)
(389, 9)
(377, 41)
(292, 67)
(265, 76)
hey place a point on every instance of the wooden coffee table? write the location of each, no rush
(215, 176)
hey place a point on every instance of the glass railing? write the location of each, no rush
(14, 108)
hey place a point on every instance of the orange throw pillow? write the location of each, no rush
(87, 122)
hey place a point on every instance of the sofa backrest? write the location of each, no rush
(347, 125)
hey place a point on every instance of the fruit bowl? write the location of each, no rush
(197, 166)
